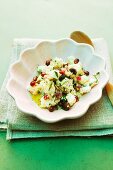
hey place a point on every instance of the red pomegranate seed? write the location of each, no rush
(62, 71)
(46, 97)
(52, 108)
(32, 83)
(78, 87)
(77, 99)
(43, 74)
(78, 78)
(35, 78)
(58, 95)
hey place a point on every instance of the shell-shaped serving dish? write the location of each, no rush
(22, 71)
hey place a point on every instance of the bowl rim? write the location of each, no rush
(54, 42)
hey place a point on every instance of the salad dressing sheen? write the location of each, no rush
(36, 98)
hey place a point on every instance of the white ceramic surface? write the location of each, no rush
(22, 71)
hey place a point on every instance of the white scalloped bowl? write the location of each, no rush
(22, 71)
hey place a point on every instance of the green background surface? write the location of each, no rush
(53, 19)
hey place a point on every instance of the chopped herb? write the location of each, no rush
(56, 73)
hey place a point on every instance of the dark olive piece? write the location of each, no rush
(62, 77)
(74, 85)
(72, 70)
(60, 103)
(48, 62)
(65, 64)
(86, 73)
(65, 106)
(76, 60)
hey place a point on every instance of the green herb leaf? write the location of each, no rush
(56, 73)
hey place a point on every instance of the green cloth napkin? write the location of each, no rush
(96, 122)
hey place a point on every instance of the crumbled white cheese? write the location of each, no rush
(67, 84)
(71, 59)
(57, 63)
(85, 89)
(84, 79)
(71, 99)
(49, 102)
(41, 68)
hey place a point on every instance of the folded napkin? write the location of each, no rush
(96, 122)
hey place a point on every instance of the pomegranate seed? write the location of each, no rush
(62, 71)
(46, 97)
(35, 78)
(58, 95)
(43, 74)
(66, 106)
(32, 83)
(52, 108)
(78, 78)
(77, 99)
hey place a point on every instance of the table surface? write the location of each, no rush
(53, 19)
